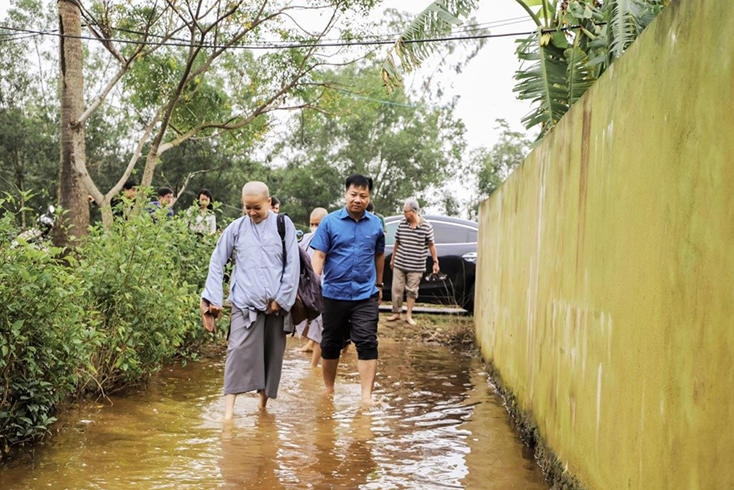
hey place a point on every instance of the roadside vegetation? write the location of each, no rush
(96, 320)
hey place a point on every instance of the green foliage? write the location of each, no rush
(410, 146)
(44, 339)
(494, 165)
(144, 281)
(95, 321)
(437, 20)
(574, 44)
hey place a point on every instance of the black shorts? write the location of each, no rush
(356, 320)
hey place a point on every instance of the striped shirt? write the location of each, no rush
(413, 246)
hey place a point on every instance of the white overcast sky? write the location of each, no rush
(485, 85)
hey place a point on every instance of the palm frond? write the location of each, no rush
(544, 82)
(580, 76)
(408, 52)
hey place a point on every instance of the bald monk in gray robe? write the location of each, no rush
(262, 293)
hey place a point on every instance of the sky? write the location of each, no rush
(485, 85)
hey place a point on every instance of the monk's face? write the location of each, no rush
(257, 207)
(357, 199)
(314, 222)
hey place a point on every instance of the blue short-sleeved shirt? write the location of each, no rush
(350, 247)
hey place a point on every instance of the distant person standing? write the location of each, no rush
(371, 209)
(312, 329)
(202, 220)
(413, 240)
(123, 204)
(165, 201)
(274, 205)
(349, 248)
(262, 292)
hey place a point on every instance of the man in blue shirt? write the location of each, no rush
(349, 247)
(165, 201)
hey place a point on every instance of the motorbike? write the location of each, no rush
(40, 235)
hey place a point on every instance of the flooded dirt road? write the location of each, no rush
(443, 428)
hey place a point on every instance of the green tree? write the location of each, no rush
(409, 145)
(180, 70)
(493, 166)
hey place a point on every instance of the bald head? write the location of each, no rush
(256, 200)
(255, 189)
(318, 214)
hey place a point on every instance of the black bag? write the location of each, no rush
(309, 303)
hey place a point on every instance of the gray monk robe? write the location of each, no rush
(256, 340)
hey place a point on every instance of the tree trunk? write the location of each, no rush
(72, 193)
(151, 162)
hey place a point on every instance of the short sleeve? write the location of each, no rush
(322, 238)
(429, 234)
(398, 235)
(380, 245)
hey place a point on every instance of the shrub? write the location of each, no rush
(44, 343)
(144, 278)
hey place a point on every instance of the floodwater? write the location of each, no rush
(443, 427)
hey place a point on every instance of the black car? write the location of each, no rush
(456, 244)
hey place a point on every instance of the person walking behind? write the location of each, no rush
(275, 204)
(349, 247)
(413, 240)
(313, 329)
(203, 221)
(165, 201)
(262, 292)
(123, 204)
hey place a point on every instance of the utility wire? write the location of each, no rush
(295, 45)
(460, 29)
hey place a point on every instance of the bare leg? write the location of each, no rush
(316, 355)
(308, 347)
(409, 316)
(329, 367)
(263, 399)
(229, 406)
(367, 372)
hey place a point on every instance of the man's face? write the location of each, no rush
(204, 200)
(357, 199)
(129, 193)
(409, 214)
(166, 200)
(275, 208)
(314, 223)
(256, 207)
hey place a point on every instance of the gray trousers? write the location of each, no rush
(254, 353)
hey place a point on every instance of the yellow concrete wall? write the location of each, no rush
(605, 293)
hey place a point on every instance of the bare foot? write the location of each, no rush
(308, 347)
(369, 402)
(393, 317)
(411, 321)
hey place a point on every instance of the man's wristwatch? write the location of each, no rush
(380, 284)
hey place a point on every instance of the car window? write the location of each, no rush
(451, 233)
(390, 230)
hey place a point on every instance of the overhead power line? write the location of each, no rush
(270, 45)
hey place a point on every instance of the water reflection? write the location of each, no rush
(442, 428)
